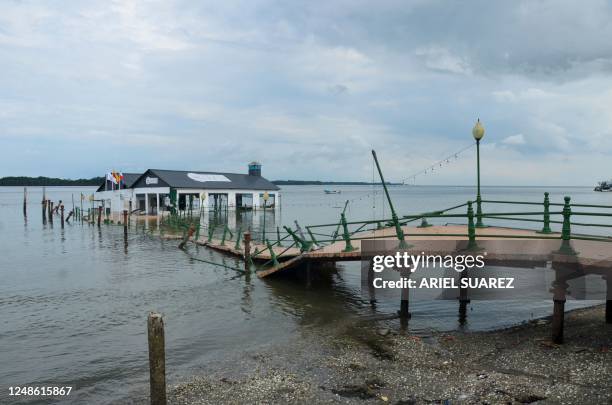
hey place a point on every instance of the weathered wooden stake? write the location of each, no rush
(25, 201)
(609, 300)
(404, 313)
(125, 224)
(559, 291)
(50, 211)
(62, 214)
(247, 252)
(99, 215)
(463, 300)
(44, 211)
(157, 358)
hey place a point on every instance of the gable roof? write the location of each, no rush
(206, 180)
(128, 178)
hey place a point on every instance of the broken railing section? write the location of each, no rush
(394, 218)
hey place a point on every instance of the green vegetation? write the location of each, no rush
(49, 181)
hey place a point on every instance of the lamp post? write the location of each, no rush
(478, 133)
(266, 196)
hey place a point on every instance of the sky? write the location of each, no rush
(308, 88)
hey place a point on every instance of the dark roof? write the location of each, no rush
(128, 178)
(189, 179)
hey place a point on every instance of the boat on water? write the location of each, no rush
(604, 186)
(332, 191)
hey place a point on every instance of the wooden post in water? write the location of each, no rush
(62, 214)
(404, 313)
(25, 201)
(125, 224)
(157, 358)
(99, 215)
(247, 252)
(44, 211)
(50, 211)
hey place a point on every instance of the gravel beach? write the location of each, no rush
(363, 362)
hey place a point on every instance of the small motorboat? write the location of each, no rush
(332, 191)
(604, 186)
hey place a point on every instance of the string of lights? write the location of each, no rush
(453, 157)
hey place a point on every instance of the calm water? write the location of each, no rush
(73, 301)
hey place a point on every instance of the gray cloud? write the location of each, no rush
(308, 88)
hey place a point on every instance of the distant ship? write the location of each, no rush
(604, 186)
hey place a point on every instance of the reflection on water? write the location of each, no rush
(73, 301)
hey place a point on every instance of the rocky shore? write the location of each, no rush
(369, 363)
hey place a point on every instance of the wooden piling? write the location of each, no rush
(99, 215)
(559, 292)
(62, 214)
(25, 201)
(50, 211)
(157, 358)
(609, 300)
(125, 224)
(247, 252)
(44, 211)
(557, 321)
(404, 312)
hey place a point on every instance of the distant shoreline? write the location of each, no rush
(24, 181)
(96, 181)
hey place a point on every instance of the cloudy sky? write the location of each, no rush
(308, 88)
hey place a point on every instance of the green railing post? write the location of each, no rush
(546, 228)
(278, 238)
(211, 231)
(337, 231)
(314, 241)
(346, 235)
(224, 235)
(566, 229)
(471, 227)
(238, 236)
(272, 254)
(398, 227)
(304, 245)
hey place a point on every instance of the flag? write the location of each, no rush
(110, 177)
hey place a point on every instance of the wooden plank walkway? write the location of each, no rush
(530, 248)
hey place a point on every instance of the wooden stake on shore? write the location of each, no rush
(247, 252)
(609, 299)
(559, 294)
(157, 358)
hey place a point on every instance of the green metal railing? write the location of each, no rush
(348, 232)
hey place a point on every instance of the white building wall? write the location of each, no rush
(119, 200)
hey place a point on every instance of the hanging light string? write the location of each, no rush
(439, 164)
